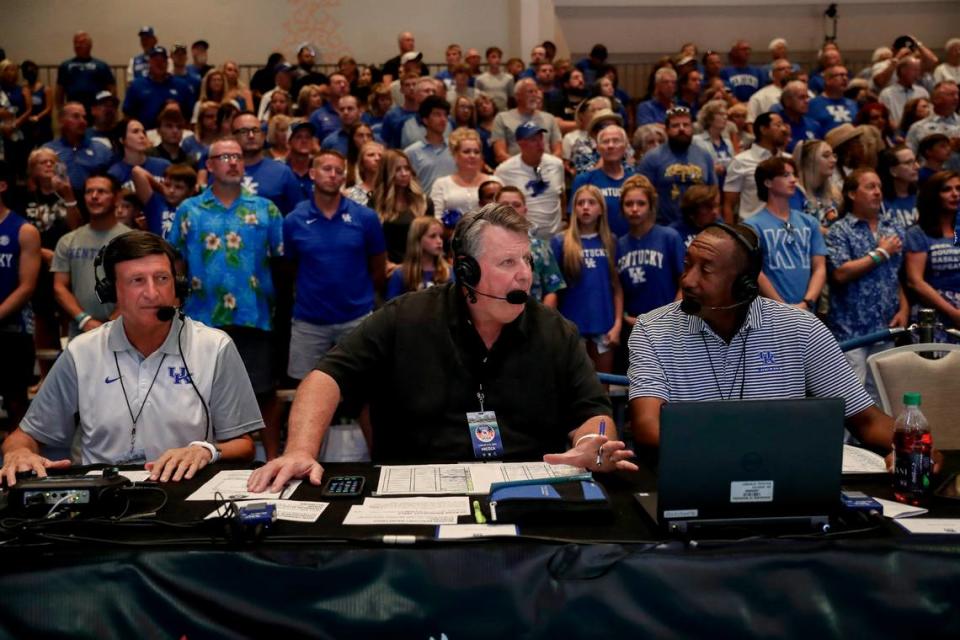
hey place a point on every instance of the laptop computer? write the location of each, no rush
(748, 462)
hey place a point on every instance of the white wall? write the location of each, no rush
(248, 30)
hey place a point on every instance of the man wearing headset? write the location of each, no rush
(724, 342)
(467, 370)
(149, 387)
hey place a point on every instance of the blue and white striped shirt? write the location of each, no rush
(779, 352)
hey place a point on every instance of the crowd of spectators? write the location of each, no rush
(303, 200)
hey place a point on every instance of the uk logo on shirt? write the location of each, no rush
(768, 362)
(179, 377)
(839, 113)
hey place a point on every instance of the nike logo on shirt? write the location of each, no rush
(311, 220)
(108, 379)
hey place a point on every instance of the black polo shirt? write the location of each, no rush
(420, 363)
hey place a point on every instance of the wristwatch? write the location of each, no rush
(811, 304)
(209, 446)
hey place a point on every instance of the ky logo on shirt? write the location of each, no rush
(179, 377)
(839, 113)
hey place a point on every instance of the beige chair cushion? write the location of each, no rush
(938, 381)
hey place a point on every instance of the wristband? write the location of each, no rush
(883, 252)
(811, 304)
(875, 257)
(70, 204)
(209, 446)
(583, 437)
(82, 319)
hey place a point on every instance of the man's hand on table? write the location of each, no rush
(281, 470)
(24, 460)
(615, 455)
(178, 464)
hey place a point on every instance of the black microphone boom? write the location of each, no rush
(516, 296)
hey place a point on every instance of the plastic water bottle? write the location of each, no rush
(912, 445)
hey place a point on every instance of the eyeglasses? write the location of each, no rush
(246, 131)
(537, 186)
(227, 157)
(791, 231)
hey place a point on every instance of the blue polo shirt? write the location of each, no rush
(868, 303)
(743, 81)
(82, 80)
(333, 278)
(123, 171)
(393, 123)
(325, 121)
(651, 111)
(81, 161)
(146, 97)
(650, 267)
(430, 162)
(831, 112)
(672, 174)
(587, 301)
(273, 180)
(787, 250)
(610, 189)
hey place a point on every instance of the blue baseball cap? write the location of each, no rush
(157, 51)
(528, 130)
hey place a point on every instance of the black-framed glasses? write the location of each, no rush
(791, 231)
(227, 157)
(246, 131)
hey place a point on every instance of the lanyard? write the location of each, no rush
(133, 419)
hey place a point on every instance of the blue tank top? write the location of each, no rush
(10, 270)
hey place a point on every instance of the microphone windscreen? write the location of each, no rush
(166, 313)
(517, 296)
(690, 307)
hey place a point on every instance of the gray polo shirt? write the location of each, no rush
(100, 372)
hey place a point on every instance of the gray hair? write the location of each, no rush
(466, 236)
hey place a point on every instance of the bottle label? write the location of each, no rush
(912, 472)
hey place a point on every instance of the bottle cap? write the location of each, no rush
(911, 399)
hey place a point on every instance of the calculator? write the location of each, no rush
(343, 486)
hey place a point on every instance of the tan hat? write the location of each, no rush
(604, 116)
(842, 134)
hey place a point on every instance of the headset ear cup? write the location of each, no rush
(467, 270)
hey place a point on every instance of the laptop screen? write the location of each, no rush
(750, 458)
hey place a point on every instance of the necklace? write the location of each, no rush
(741, 361)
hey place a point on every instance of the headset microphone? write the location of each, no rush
(516, 296)
(166, 313)
(692, 307)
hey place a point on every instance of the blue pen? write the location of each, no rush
(603, 429)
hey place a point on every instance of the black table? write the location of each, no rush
(580, 580)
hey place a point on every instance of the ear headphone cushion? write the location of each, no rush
(467, 270)
(103, 287)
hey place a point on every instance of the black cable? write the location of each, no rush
(183, 358)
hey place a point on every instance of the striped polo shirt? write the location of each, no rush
(779, 352)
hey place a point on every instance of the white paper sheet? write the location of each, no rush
(133, 475)
(419, 510)
(893, 509)
(857, 460)
(466, 531)
(232, 485)
(931, 525)
(293, 510)
(473, 479)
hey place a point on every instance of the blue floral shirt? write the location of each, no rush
(869, 303)
(228, 251)
(546, 272)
